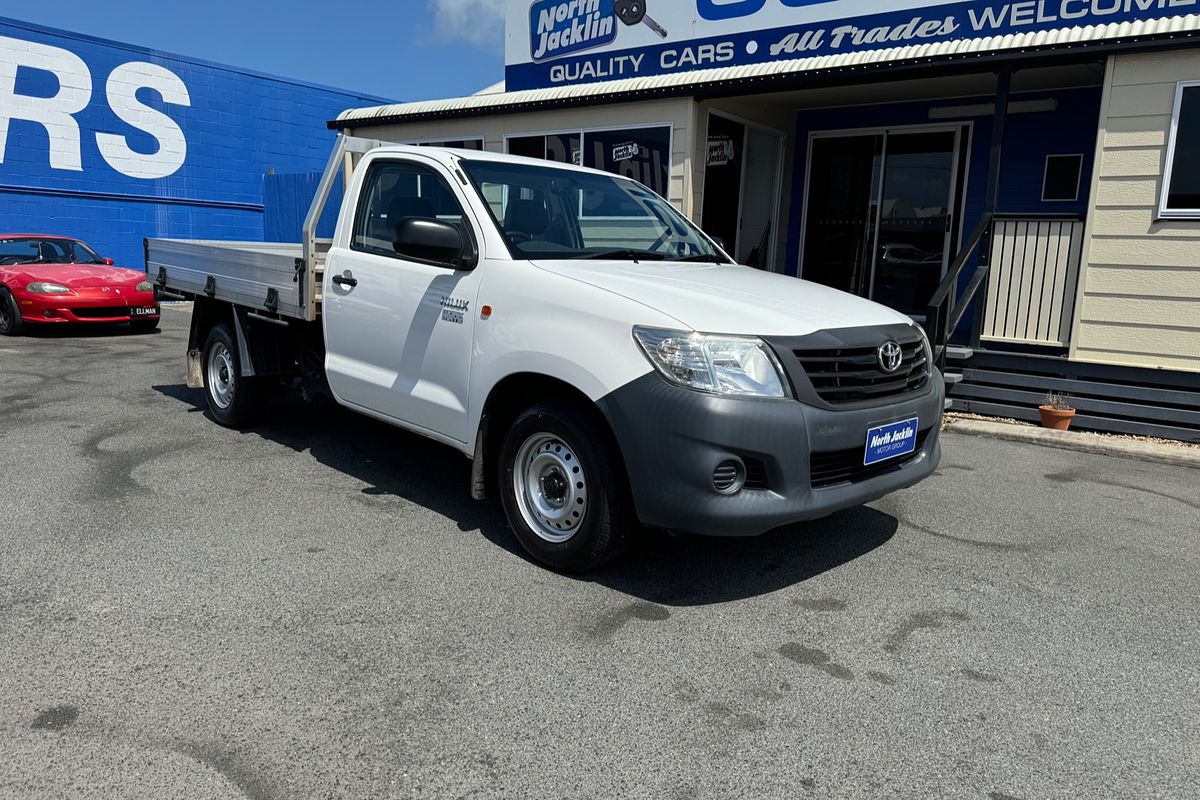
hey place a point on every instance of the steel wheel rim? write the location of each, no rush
(550, 485)
(221, 375)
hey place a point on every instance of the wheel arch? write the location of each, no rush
(264, 349)
(206, 315)
(507, 399)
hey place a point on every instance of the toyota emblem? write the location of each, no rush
(891, 356)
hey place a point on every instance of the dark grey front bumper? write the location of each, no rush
(672, 439)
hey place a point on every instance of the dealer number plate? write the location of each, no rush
(891, 441)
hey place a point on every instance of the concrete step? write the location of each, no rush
(959, 353)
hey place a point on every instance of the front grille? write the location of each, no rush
(846, 466)
(101, 312)
(849, 375)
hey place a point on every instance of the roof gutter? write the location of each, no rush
(933, 66)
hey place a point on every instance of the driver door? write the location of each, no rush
(398, 329)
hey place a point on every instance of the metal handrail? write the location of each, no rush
(947, 307)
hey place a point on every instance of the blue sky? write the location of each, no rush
(400, 49)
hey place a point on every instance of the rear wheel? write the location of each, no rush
(233, 399)
(563, 489)
(10, 314)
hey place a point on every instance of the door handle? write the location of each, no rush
(346, 281)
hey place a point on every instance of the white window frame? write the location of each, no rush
(1078, 178)
(1169, 167)
(436, 140)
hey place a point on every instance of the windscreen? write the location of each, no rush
(547, 212)
(46, 251)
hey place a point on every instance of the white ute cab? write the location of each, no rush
(599, 358)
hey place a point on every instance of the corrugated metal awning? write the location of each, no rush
(768, 73)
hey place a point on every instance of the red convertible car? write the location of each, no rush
(58, 280)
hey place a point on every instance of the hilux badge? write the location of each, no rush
(891, 356)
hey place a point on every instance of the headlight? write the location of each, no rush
(737, 366)
(44, 287)
(144, 286)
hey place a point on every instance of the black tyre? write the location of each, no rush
(564, 489)
(10, 315)
(144, 325)
(233, 400)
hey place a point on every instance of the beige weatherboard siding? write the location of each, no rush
(1139, 292)
(497, 126)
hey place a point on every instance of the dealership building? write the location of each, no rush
(1023, 175)
(112, 143)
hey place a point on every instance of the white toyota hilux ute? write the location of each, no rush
(600, 359)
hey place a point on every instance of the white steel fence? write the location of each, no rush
(1031, 285)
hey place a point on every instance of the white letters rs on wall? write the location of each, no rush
(122, 89)
(57, 113)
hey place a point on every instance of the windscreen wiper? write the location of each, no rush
(712, 258)
(626, 255)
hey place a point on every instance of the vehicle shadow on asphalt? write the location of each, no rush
(116, 330)
(660, 568)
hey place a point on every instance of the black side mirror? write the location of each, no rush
(433, 241)
(718, 241)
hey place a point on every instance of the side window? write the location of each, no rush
(1060, 183)
(1181, 183)
(397, 190)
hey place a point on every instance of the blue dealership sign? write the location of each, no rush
(580, 41)
(891, 441)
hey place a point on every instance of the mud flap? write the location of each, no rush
(195, 370)
(479, 463)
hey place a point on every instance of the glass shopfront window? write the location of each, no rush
(454, 144)
(642, 154)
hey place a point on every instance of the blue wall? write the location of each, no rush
(286, 200)
(140, 115)
(1029, 138)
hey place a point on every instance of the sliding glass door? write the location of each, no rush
(882, 213)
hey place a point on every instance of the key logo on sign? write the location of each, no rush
(633, 12)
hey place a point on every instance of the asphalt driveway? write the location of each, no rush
(316, 609)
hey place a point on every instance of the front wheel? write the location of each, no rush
(10, 314)
(233, 399)
(563, 489)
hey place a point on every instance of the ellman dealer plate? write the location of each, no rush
(891, 441)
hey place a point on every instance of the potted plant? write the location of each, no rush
(1057, 413)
